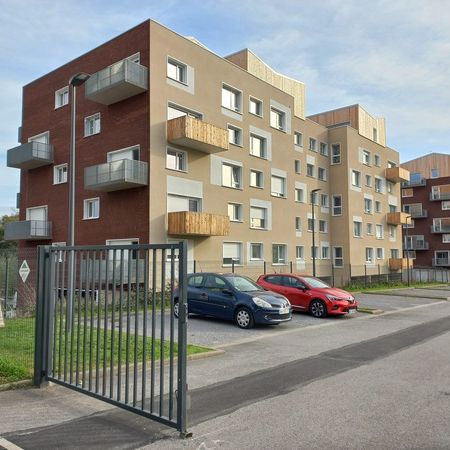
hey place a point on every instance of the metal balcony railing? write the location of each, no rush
(441, 262)
(30, 155)
(28, 230)
(439, 195)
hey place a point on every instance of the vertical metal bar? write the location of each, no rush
(119, 350)
(172, 337)
(265, 268)
(77, 373)
(153, 349)
(105, 328)
(195, 265)
(85, 312)
(182, 341)
(67, 319)
(90, 292)
(161, 346)
(6, 279)
(99, 314)
(60, 324)
(113, 319)
(127, 346)
(332, 274)
(232, 265)
(144, 330)
(290, 263)
(59, 294)
(136, 331)
(72, 314)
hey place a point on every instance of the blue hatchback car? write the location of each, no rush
(234, 297)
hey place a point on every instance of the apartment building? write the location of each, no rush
(426, 199)
(175, 142)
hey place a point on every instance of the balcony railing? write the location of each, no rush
(418, 245)
(413, 183)
(440, 262)
(117, 82)
(440, 227)
(397, 218)
(29, 230)
(439, 195)
(198, 224)
(116, 175)
(396, 174)
(30, 155)
(418, 213)
(190, 132)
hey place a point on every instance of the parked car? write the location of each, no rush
(310, 294)
(234, 297)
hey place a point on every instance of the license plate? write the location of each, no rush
(284, 310)
(352, 311)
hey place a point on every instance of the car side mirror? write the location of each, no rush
(226, 291)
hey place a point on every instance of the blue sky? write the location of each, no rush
(392, 57)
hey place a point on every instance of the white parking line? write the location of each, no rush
(8, 445)
(313, 327)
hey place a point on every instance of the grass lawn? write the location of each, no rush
(17, 348)
(386, 286)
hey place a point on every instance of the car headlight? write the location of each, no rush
(261, 303)
(334, 298)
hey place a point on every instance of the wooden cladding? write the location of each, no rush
(397, 218)
(397, 174)
(198, 224)
(194, 133)
(399, 263)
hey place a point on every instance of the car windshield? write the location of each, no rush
(244, 284)
(315, 282)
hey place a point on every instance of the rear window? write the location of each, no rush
(274, 279)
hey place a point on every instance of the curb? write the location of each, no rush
(370, 310)
(16, 385)
(204, 355)
(397, 294)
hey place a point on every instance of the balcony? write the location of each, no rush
(418, 245)
(116, 175)
(414, 183)
(441, 262)
(30, 155)
(198, 224)
(443, 194)
(442, 226)
(396, 174)
(117, 82)
(396, 218)
(418, 213)
(399, 263)
(194, 133)
(30, 230)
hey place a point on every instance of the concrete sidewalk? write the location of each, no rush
(57, 417)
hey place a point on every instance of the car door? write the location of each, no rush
(220, 302)
(195, 293)
(296, 292)
(274, 283)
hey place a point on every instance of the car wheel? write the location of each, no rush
(244, 318)
(318, 309)
(176, 309)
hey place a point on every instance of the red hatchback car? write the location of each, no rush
(310, 294)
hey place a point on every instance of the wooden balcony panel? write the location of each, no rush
(397, 218)
(397, 174)
(399, 263)
(198, 224)
(194, 133)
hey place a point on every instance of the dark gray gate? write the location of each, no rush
(105, 326)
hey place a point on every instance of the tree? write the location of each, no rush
(7, 245)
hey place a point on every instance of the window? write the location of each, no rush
(234, 135)
(380, 253)
(176, 160)
(124, 153)
(313, 144)
(392, 208)
(377, 160)
(368, 204)
(299, 252)
(369, 180)
(174, 111)
(299, 195)
(298, 138)
(235, 212)
(314, 198)
(434, 173)
(176, 71)
(370, 229)
(323, 149)
(377, 206)
(232, 253)
(325, 252)
(256, 178)
(366, 157)
(390, 187)
(379, 231)
(62, 97)
(92, 125)
(298, 224)
(357, 229)
(356, 178)
(256, 251)
(258, 146)
(231, 176)
(369, 255)
(314, 251)
(338, 257)
(297, 166)
(375, 134)
(323, 226)
(279, 252)
(446, 238)
(337, 205)
(91, 208)
(378, 185)
(394, 253)
(231, 98)
(392, 230)
(278, 187)
(322, 174)
(324, 203)
(335, 153)
(255, 107)
(445, 205)
(311, 224)
(309, 170)
(60, 174)
(182, 203)
(258, 217)
(277, 119)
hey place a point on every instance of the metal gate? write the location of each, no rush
(105, 325)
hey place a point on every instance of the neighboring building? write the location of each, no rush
(426, 198)
(174, 142)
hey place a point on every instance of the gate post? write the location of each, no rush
(41, 324)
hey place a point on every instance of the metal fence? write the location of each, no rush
(106, 326)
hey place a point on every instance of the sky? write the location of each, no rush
(392, 57)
